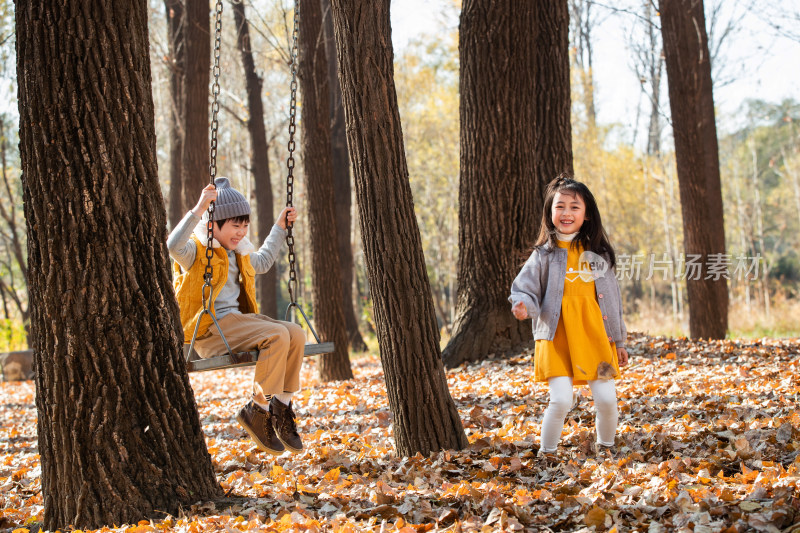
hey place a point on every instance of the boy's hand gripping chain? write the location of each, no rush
(292, 284)
(209, 271)
(212, 169)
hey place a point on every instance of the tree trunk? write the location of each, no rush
(666, 217)
(683, 31)
(744, 234)
(515, 138)
(119, 435)
(341, 182)
(580, 13)
(794, 179)
(13, 243)
(655, 60)
(325, 265)
(425, 416)
(266, 284)
(195, 160)
(177, 66)
(759, 221)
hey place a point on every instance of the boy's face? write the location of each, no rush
(568, 213)
(231, 233)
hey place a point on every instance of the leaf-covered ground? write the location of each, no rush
(708, 441)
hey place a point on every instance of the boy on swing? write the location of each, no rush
(268, 417)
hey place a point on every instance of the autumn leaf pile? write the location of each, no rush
(708, 441)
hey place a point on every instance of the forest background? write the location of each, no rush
(621, 141)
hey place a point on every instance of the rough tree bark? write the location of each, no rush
(342, 190)
(266, 284)
(425, 416)
(197, 43)
(177, 64)
(515, 137)
(691, 101)
(119, 435)
(325, 266)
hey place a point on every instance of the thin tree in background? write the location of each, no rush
(425, 416)
(119, 435)
(266, 284)
(792, 174)
(691, 99)
(177, 64)
(583, 21)
(15, 264)
(342, 191)
(194, 99)
(649, 66)
(515, 137)
(758, 220)
(325, 266)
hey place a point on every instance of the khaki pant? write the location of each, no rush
(280, 346)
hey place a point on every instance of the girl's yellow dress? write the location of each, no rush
(580, 347)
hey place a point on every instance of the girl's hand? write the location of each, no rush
(208, 195)
(288, 212)
(520, 311)
(622, 356)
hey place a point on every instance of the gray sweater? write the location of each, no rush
(540, 286)
(184, 250)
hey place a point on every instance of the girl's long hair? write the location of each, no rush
(591, 235)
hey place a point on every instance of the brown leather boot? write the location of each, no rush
(284, 424)
(258, 423)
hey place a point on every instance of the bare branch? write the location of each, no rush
(784, 21)
(234, 114)
(636, 15)
(281, 46)
(722, 31)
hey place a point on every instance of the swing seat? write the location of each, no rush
(197, 364)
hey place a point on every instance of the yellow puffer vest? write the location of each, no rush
(189, 287)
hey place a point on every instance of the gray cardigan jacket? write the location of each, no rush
(540, 286)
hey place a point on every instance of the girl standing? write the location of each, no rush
(569, 289)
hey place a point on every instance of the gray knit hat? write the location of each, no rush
(230, 203)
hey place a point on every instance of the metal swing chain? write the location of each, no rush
(292, 284)
(213, 166)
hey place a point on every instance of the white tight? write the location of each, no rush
(605, 404)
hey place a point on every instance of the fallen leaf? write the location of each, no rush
(784, 434)
(605, 371)
(595, 517)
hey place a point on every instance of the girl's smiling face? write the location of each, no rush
(568, 213)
